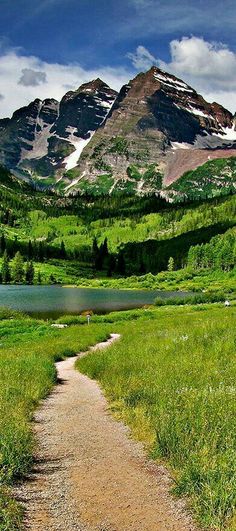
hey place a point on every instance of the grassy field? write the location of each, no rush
(177, 392)
(184, 279)
(28, 350)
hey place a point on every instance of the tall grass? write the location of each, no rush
(28, 350)
(172, 380)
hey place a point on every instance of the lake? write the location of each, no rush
(54, 301)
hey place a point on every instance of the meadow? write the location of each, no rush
(176, 391)
(28, 350)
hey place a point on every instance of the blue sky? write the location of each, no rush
(50, 46)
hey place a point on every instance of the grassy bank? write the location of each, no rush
(184, 279)
(28, 350)
(177, 391)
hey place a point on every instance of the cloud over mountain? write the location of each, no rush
(46, 80)
(142, 58)
(209, 67)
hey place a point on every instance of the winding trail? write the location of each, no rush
(89, 475)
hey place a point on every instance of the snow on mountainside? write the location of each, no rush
(140, 140)
(45, 139)
(157, 128)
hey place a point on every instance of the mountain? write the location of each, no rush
(45, 139)
(158, 128)
(95, 140)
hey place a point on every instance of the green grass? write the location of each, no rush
(28, 350)
(177, 392)
(214, 178)
(183, 279)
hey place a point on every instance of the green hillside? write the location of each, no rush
(69, 240)
(214, 178)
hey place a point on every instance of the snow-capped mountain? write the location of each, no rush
(145, 137)
(158, 128)
(46, 138)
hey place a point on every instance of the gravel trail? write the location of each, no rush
(89, 475)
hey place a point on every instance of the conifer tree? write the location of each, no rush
(171, 264)
(18, 268)
(121, 264)
(2, 243)
(95, 250)
(29, 273)
(62, 250)
(6, 274)
(30, 250)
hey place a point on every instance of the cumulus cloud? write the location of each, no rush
(209, 67)
(211, 62)
(142, 58)
(32, 78)
(13, 64)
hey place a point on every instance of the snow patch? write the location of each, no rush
(180, 145)
(197, 112)
(79, 144)
(175, 84)
(106, 104)
(228, 133)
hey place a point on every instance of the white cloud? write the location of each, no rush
(209, 67)
(142, 58)
(206, 60)
(57, 76)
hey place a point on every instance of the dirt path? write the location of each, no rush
(89, 474)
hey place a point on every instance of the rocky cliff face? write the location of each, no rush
(45, 139)
(19, 136)
(152, 134)
(140, 140)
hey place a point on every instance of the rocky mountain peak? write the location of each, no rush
(154, 129)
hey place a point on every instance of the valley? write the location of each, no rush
(118, 220)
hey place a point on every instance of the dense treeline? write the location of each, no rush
(219, 253)
(116, 235)
(153, 256)
(37, 250)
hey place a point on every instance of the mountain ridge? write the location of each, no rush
(139, 140)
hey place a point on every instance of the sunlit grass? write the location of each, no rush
(28, 351)
(172, 379)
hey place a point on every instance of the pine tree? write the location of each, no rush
(18, 268)
(29, 273)
(6, 274)
(171, 264)
(121, 264)
(111, 264)
(40, 252)
(2, 244)
(95, 250)
(30, 250)
(62, 250)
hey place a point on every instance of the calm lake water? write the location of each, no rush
(53, 301)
